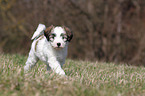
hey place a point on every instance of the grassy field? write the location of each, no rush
(84, 78)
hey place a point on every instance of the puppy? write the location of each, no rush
(50, 46)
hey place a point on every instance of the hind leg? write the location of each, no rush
(31, 61)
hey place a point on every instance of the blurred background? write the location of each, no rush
(104, 30)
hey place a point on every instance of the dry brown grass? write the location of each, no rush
(83, 79)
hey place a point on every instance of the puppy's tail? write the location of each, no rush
(39, 31)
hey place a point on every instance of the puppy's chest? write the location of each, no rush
(60, 56)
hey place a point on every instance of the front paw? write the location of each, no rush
(62, 73)
(26, 68)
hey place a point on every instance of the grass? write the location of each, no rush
(84, 78)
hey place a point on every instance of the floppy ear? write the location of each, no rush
(47, 32)
(68, 33)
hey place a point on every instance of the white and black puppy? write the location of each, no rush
(50, 46)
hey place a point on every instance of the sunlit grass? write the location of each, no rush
(84, 78)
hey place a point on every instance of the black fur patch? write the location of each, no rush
(68, 33)
(47, 32)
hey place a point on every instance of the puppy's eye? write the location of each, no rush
(52, 36)
(64, 38)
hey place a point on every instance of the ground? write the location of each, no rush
(84, 78)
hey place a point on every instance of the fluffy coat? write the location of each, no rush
(50, 46)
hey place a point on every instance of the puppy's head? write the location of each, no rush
(58, 36)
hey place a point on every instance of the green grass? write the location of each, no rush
(84, 78)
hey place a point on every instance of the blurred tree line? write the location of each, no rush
(105, 30)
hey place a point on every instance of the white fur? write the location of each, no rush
(58, 31)
(47, 51)
(39, 30)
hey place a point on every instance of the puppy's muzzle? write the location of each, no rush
(58, 44)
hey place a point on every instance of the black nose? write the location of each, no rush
(58, 44)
